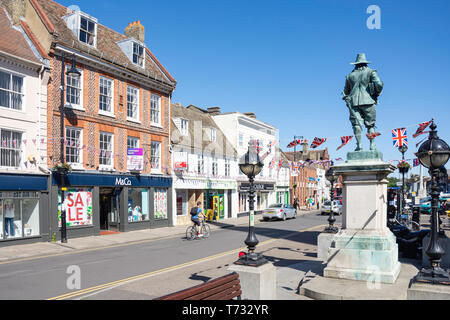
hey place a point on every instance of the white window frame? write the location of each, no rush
(133, 119)
(200, 164)
(109, 113)
(73, 105)
(152, 102)
(214, 167)
(134, 139)
(241, 139)
(152, 144)
(94, 44)
(227, 168)
(133, 44)
(75, 165)
(11, 92)
(213, 134)
(20, 149)
(110, 166)
(184, 129)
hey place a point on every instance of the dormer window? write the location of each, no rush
(138, 54)
(87, 31)
(83, 26)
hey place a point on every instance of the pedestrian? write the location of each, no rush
(296, 203)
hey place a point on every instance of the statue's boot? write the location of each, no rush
(357, 132)
(372, 142)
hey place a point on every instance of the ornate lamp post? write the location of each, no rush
(433, 154)
(332, 177)
(251, 165)
(62, 170)
(402, 203)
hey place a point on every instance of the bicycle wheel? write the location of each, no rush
(191, 233)
(206, 230)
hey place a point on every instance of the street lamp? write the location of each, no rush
(251, 165)
(62, 171)
(332, 177)
(433, 154)
(402, 203)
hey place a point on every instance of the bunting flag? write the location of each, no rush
(344, 140)
(271, 163)
(422, 127)
(339, 159)
(399, 137)
(296, 142)
(317, 142)
(372, 136)
(415, 162)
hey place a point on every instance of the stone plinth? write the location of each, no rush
(323, 244)
(257, 283)
(427, 291)
(364, 249)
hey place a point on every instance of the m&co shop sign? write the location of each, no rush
(78, 205)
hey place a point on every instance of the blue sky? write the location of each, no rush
(287, 60)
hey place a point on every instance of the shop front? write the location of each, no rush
(96, 202)
(264, 196)
(215, 195)
(23, 208)
(282, 194)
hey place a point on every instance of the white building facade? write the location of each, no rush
(240, 129)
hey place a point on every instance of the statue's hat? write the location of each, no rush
(360, 58)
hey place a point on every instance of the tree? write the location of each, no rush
(392, 181)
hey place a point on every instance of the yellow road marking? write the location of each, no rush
(152, 273)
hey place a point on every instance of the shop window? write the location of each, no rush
(78, 205)
(10, 148)
(160, 203)
(138, 209)
(19, 215)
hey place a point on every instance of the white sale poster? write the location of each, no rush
(78, 205)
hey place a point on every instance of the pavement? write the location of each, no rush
(298, 268)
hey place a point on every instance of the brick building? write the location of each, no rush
(116, 123)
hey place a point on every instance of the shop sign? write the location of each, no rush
(135, 159)
(244, 187)
(78, 206)
(180, 160)
(123, 182)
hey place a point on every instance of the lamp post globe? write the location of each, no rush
(251, 165)
(332, 177)
(433, 154)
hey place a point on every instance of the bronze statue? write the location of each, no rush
(362, 88)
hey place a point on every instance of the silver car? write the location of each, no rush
(326, 208)
(279, 211)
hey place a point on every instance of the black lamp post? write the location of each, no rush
(62, 171)
(402, 202)
(433, 154)
(332, 177)
(251, 165)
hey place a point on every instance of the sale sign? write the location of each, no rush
(78, 206)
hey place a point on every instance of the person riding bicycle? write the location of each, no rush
(196, 216)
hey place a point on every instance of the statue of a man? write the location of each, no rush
(362, 88)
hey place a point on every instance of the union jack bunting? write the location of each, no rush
(339, 159)
(399, 137)
(271, 163)
(372, 136)
(294, 143)
(415, 162)
(422, 126)
(344, 140)
(317, 142)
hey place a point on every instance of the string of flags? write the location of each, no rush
(399, 137)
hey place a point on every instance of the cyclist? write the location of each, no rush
(196, 216)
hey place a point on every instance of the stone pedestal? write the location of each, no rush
(257, 283)
(364, 249)
(427, 291)
(323, 244)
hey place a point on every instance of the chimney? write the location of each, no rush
(135, 30)
(214, 111)
(305, 147)
(16, 9)
(250, 114)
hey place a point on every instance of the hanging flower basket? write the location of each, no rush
(62, 167)
(403, 166)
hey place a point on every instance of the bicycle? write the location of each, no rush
(407, 221)
(191, 231)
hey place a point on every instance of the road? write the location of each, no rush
(48, 277)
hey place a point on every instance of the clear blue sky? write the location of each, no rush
(287, 60)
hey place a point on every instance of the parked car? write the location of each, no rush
(425, 204)
(279, 211)
(337, 207)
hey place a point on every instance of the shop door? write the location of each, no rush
(109, 208)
